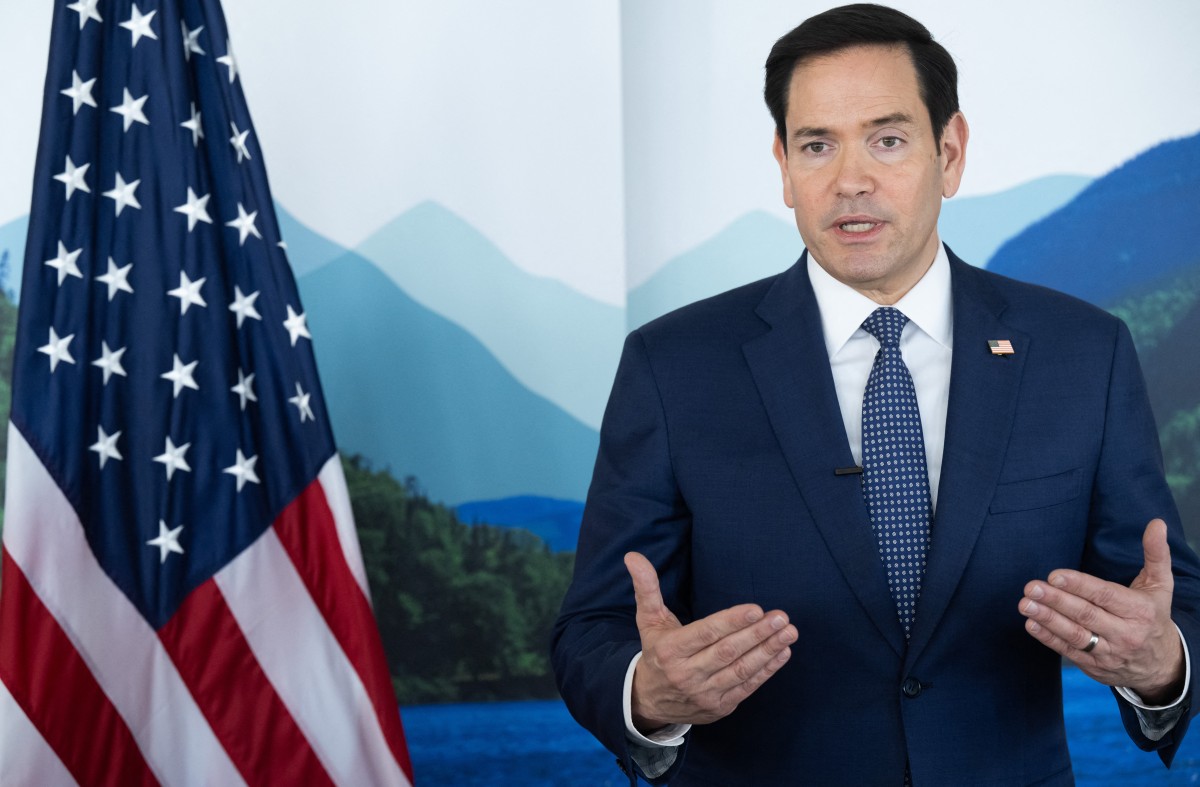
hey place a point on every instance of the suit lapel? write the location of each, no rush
(983, 396)
(791, 369)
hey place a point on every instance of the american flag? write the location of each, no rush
(1000, 346)
(183, 598)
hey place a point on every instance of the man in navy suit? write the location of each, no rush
(746, 611)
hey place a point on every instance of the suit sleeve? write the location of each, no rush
(634, 503)
(1129, 491)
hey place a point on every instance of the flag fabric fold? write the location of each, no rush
(183, 600)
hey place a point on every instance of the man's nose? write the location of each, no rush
(854, 176)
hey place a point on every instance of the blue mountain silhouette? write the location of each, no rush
(555, 521)
(307, 250)
(754, 246)
(975, 227)
(1133, 226)
(555, 340)
(420, 396)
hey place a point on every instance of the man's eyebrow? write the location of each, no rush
(810, 131)
(894, 119)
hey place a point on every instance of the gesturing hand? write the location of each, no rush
(699, 673)
(1137, 646)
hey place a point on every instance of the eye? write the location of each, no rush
(815, 147)
(891, 142)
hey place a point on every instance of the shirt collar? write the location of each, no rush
(928, 305)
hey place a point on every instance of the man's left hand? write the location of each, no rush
(1138, 646)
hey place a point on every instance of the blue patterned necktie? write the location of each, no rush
(895, 480)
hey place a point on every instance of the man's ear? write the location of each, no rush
(954, 153)
(780, 152)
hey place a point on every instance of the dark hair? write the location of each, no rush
(863, 24)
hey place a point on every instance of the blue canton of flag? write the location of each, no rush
(174, 491)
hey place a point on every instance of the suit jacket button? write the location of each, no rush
(911, 688)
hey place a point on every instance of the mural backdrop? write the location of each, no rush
(480, 200)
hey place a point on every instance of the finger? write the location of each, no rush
(725, 635)
(651, 610)
(733, 696)
(1157, 568)
(1064, 648)
(1116, 599)
(1044, 602)
(755, 659)
(1075, 634)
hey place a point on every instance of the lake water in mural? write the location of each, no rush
(538, 743)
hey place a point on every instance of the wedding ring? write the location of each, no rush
(1088, 648)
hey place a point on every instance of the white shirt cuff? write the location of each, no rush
(669, 736)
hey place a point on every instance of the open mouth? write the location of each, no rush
(857, 226)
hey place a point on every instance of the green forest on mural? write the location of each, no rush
(465, 611)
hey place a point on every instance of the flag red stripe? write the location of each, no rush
(241, 705)
(53, 685)
(307, 530)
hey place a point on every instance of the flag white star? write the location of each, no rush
(238, 140)
(167, 541)
(193, 125)
(64, 263)
(116, 278)
(72, 178)
(172, 458)
(229, 60)
(244, 389)
(139, 25)
(123, 194)
(243, 305)
(181, 376)
(188, 292)
(196, 209)
(86, 10)
(131, 109)
(301, 402)
(106, 446)
(244, 224)
(79, 92)
(295, 324)
(243, 469)
(58, 349)
(110, 362)
(190, 41)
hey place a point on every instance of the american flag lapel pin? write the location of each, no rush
(1000, 346)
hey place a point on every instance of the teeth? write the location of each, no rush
(863, 226)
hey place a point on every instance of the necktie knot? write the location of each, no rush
(886, 324)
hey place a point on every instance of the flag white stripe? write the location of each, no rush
(45, 538)
(333, 481)
(306, 665)
(25, 757)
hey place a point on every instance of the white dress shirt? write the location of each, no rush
(926, 345)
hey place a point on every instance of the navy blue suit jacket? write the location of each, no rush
(716, 461)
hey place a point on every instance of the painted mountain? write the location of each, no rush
(759, 244)
(1137, 224)
(555, 521)
(554, 340)
(418, 395)
(975, 227)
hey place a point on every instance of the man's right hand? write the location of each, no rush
(698, 673)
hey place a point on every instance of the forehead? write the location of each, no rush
(854, 85)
